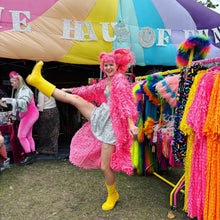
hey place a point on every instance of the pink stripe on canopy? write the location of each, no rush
(36, 8)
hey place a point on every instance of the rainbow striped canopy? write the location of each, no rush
(73, 31)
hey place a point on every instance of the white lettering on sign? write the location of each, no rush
(17, 22)
(1, 8)
(162, 38)
(83, 31)
(122, 33)
(105, 32)
(216, 34)
(79, 33)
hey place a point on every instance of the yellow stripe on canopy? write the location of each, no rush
(87, 52)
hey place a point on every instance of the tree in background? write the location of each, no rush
(207, 3)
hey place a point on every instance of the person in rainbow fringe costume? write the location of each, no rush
(28, 113)
(105, 140)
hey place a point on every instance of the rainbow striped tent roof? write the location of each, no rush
(73, 31)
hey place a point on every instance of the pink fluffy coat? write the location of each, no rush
(196, 119)
(85, 148)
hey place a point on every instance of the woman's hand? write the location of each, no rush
(3, 99)
(9, 114)
(66, 90)
(134, 130)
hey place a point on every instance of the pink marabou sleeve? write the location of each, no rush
(91, 93)
(123, 97)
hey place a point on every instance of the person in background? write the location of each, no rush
(3, 93)
(3, 106)
(48, 125)
(4, 160)
(24, 104)
(105, 140)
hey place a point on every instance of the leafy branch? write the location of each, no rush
(208, 4)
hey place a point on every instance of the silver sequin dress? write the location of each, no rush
(101, 123)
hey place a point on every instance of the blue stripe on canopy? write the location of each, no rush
(153, 20)
(126, 11)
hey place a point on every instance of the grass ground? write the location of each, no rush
(55, 189)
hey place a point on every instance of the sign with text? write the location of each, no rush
(73, 31)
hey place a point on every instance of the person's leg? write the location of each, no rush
(26, 139)
(31, 140)
(3, 153)
(113, 195)
(35, 79)
(106, 154)
(86, 108)
(30, 118)
(22, 135)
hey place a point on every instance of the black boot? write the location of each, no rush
(28, 159)
(34, 156)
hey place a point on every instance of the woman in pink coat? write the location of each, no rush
(105, 140)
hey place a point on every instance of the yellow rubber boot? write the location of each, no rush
(113, 197)
(35, 79)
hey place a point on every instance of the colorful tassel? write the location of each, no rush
(148, 127)
(150, 88)
(199, 43)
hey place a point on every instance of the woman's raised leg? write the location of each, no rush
(86, 108)
(35, 79)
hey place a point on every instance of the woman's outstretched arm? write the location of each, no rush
(69, 90)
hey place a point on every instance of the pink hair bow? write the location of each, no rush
(13, 74)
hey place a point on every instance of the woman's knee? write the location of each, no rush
(105, 167)
(21, 133)
(21, 136)
(76, 99)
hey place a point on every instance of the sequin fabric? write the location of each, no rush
(101, 123)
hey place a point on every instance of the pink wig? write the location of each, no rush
(121, 57)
